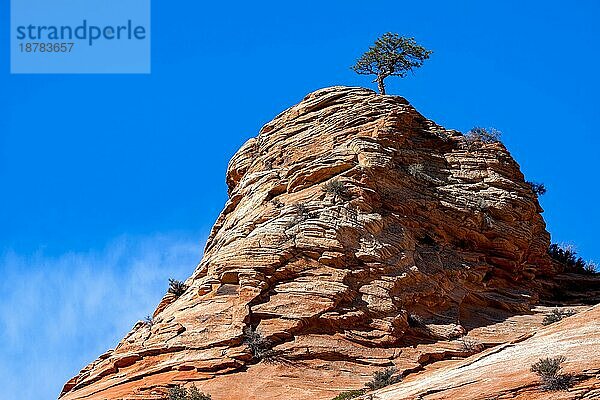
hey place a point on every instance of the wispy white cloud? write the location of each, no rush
(58, 313)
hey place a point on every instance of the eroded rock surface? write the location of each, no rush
(358, 234)
(503, 372)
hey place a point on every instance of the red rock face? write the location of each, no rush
(503, 372)
(358, 235)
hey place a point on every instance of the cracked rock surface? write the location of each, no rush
(358, 234)
(503, 372)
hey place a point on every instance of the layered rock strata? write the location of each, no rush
(357, 235)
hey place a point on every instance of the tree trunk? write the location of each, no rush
(380, 84)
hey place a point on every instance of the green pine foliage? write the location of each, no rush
(556, 315)
(549, 370)
(566, 256)
(384, 378)
(176, 287)
(391, 55)
(178, 392)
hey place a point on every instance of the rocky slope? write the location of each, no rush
(503, 372)
(357, 235)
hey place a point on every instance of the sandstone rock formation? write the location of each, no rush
(503, 372)
(357, 235)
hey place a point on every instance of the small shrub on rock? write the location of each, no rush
(195, 394)
(350, 394)
(538, 188)
(590, 268)
(549, 370)
(562, 254)
(260, 347)
(566, 256)
(277, 203)
(558, 382)
(301, 210)
(176, 287)
(178, 392)
(384, 378)
(415, 169)
(335, 187)
(484, 135)
(556, 315)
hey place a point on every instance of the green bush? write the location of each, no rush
(335, 187)
(260, 347)
(380, 380)
(590, 268)
(558, 382)
(302, 213)
(538, 188)
(176, 287)
(549, 370)
(195, 394)
(556, 315)
(548, 366)
(485, 135)
(178, 392)
(384, 378)
(350, 394)
(566, 256)
(415, 169)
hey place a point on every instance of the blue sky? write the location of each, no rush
(110, 183)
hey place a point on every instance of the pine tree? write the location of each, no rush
(391, 55)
